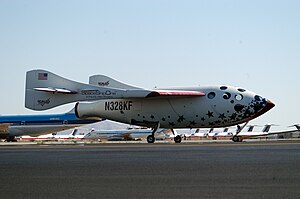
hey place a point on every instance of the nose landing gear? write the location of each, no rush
(151, 138)
(177, 139)
(236, 137)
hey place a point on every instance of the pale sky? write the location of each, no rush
(250, 44)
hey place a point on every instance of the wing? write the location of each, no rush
(170, 93)
(155, 93)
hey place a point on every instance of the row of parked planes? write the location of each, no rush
(44, 127)
(158, 109)
(140, 134)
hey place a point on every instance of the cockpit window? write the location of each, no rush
(211, 95)
(241, 90)
(226, 95)
(223, 88)
(238, 97)
(257, 97)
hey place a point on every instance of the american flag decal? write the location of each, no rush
(42, 76)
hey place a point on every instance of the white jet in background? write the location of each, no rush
(124, 134)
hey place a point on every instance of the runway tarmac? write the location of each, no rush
(160, 170)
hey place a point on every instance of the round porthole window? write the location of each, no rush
(257, 97)
(241, 90)
(239, 97)
(226, 95)
(223, 88)
(211, 95)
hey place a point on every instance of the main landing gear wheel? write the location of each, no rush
(177, 139)
(237, 138)
(150, 139)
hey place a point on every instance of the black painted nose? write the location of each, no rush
(268, 106)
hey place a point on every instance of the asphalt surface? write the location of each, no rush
(167, 170)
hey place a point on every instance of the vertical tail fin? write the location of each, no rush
(225, 130)
(250, 129)
(266, 128)
(45, 90)
(74, 132)
(105, 81)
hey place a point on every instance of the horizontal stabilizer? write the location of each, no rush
(56, 90)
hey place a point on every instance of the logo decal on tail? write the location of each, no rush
(103, 83)
(43, 102)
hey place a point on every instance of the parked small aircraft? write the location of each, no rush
(123, 134)
(239, 136)
(189, 107)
